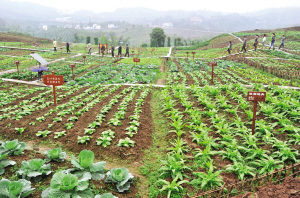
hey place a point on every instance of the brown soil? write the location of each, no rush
(290, 188)
(160, 82)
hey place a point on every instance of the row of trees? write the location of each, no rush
(103, 39)
(158, 37)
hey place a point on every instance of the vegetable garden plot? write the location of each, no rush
(213, 123)
(122, 73)
(227, 72)
(47, 166)
(82, 116)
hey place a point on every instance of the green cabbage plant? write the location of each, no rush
(34, 169)
(15, 189)
(4, 163)
(67, 186)
(12, 147)
(85, 165)
(120, 177)
(55, 155)
(106, 195)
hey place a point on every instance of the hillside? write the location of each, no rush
(11, 37)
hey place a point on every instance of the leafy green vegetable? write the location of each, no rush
(120, 177)
(4, 163)
(34, 169)
(127, 142)
(105, 195)
(85, 166)
(55, 155)
(12, 147)
(14, 189)
(67, 186)
(43, 133)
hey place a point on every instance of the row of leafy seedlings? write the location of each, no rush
(232, 140)
(72, 182)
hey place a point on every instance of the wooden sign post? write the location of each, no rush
(212, 64)
(61, 50)
(193, 55)
(255, 96)
(136, 60)
(84, 57)
(54, 80)
(132, 53)
(20, 46)
(117, 58)
(17, 63)
(152, 50)
(187, 55)
(72, 66)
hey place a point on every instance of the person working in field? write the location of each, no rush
(112, 50)
(256, 42)
(244, 44)
(282, 42)
(127, 50)
(229, 47)
(264, 41)
(120, 50)
(89, 46)
(68, 46)
(273, 41)
(102, 49)
(54, 44)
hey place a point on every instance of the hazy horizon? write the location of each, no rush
(229, 6)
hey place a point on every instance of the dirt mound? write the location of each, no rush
(290, 188)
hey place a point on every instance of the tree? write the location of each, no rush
(96, 40)
(169, 42)
(103, 39)
(88, 39)
(144, 45)
(159, 36)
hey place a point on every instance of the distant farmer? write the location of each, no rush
(244, 44)
(256, 42)
(120, 50)
(68, 47)
(273, 41)
(112, 50)
(102, 49)
(54, 44)
(127, 50)
(264, 41)
(89, 46)
(282, 42)
(229, 47)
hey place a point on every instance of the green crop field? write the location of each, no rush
(152, 124)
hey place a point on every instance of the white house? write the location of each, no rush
(167, 25)
(110, 25)
(96, 27)
(45, 27)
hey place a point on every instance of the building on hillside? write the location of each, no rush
(96, 27)
(111, 26)
(196, 20)
(167, 25)
(45, 27)
(77, 27)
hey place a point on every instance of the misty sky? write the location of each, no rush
(239, 6)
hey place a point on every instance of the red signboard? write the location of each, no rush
(136, 60)
(256, 96)
(53, 80)
(213, 64)
(193, 52)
